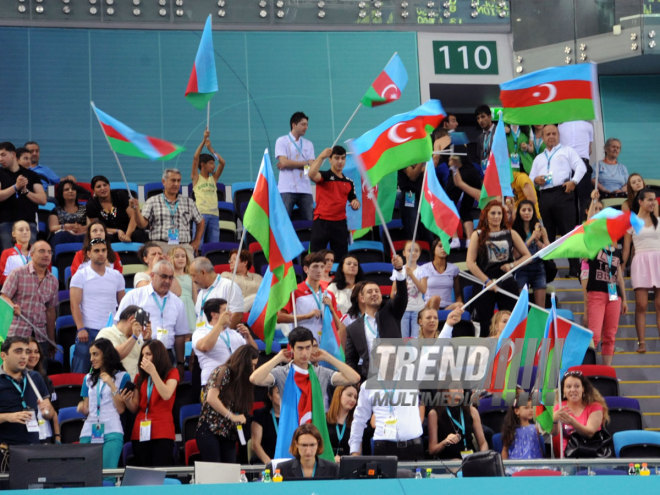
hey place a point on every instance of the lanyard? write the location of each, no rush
(99, 391)
(515, 136)
(272, 415)
(209, 290)
(460, 425)
(172, 210)
(537, 144)
(23, 258)
(549, 158)
(318, 297)
(610, 255)
(226, 339)
(161, 307)
(343, 430)
(314, 471)
(150, 389)
(368, 325)
(486, 149)
(298, 146)
(20, 391)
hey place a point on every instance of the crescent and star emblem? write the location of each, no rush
(552, 93)
(393, 136)
(392, 88)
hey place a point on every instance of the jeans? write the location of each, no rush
(214, 448)
(305, 204)
(409, 325)
(5, 234)
(211, 229)
(80, 362)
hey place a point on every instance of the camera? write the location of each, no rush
(142, 317)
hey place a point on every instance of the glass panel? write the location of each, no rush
(538, 23)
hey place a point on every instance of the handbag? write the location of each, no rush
(599, 445)
(550, 270)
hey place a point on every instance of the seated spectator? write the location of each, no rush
(339, 418)
(151, 253)
(348, 274)
(612, 175)
(102, 402)
(439, 280)
(635, 184)
(95, 230)
(306, 447)
(67, 222)
(19, 255)
(248, 282)
(498, 322)
(264, 426)
(152, 400)
(49, 429)
(116, 210)
(416, 289)
(428, 323)
(47, 175)
(181, 263)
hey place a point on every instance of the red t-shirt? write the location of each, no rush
(332, 192)
(80, 256)
(160, 411)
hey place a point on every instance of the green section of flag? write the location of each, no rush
(280, 295)
(544, 418)
(551, 113)
(371, 97)
(127, 148)
(401, 156)
(318, 414)
(584, 243)
(428, 219)
(199, 100)
(257, 223)
(6, 317)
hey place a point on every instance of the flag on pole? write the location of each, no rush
(547, 96)
(389, 84)
(437, 212)
(203, 81)
(126, 141)
(498, 176)
(585, 241)
(400, 141)
(330, 340)
(6, 317)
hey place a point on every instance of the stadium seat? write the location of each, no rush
(221, 191)
(218, 252)
(128, 252)
(63, 255)
(71, 422)
(625, 414)
(65, 334)
(367, 251)
(67, 386)
(188, 416)
(127, 455)
(227, 230)
(67, 277)
(537, 472)
(129, 272)
(261, 345)
(122, 186)
(304, 229)
(153, 188)
(226, 211)
(492, 415)
(64, 304)
(222, 268)
(184, 396)
(379, 273)
(602, 377)
(637, 443)
(589, 356)
(241, 192)
(191, 452)
(258, 257)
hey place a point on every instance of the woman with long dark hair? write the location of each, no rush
(67, 221)
(531, 231)
(227, 400)
(348, 273)
(490, 255)
(152, 400)
(49, 430)
(95, 230)
(102, 401)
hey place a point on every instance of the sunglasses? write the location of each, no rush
(573, 373)
(93, 242)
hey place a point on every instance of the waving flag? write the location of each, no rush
(203, 82)
(330, 340)
(126, 141)
(389, 84)
(384, 192)
(437, 212)
(6, 317)
(555, 94)
(267, 220)
(498, 176)
(400, 141)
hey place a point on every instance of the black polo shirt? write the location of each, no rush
(11, 400)
(18, 207)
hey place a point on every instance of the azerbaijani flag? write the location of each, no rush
(330, 340)
(389, 84)
(203, 82)
(6, 317)
(548, 96)
(126, 141)
(384, 193)
(267, 220)
(437, 212)
(301, 399)
(400, 141)
(498, 176)
(584, 241)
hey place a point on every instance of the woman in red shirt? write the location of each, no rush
(95, 230)
(153, 399)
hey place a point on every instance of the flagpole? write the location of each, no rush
(419, 209)
(350, 119)
(293, 305)
(208, 114)
(561, 433)
(121, 169)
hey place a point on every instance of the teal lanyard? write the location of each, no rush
(20, 391)
(272, 415)
(226, 339)
(161, 307)
(537, 144)
(314, 471)
(609, 263)
(515, 136)
(99, 391)
(340, 435)
(172, 210)
(368, 325)
(460, 426)
(298, 146)
(150, 389)
(23, 258)
(549, 158)
(486, 149)
(318, 297)
(209, 290)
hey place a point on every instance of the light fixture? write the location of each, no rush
(110, 11)
(362, 14)
(474, 4)
(22, 8)
(430, 4)
(93, 10)
(519, 59)
(221, 3)
(136, 12)
(39, 9)
(567, 49)
(110, 2)
(162, 3)
(633, 46)
(66, 9)
(583, 47)
(431, 14)
(262, 4)
(221, 13)
(321, 14)
(583, 57)
(445, 5)
(162, 12)
(92, 2)
(279, 4)
(40, 1)
(633, 36)
(474, 14)
(404, 14)
(502, 14)
(178, 3)
(320, 4)
(568, 60)
(652, 33)
(652, 44)
(136, 2)
(66, 1)
(361, 5)
(501, 4)
(280, 14)
(263, 14)
(519, 69)
(179, 12)
(378, 4)
(378, 14)
(404, 5)
(446, 14)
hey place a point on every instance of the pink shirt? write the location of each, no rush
(583, 418)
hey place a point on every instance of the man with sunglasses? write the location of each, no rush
(95, 292)
(169, 322)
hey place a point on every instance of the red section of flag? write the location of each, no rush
(617, 227)
(305, 403)
(275, 255)
(260, 194)
(492, 179)
(368, 208)
(518, 333)
(192, 82)
(111, 132)
(163, 147)
(443, 214)
(385, 87)
(546, 93)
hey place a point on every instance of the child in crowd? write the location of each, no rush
(416, 289)
(181, 263)
(520, 438)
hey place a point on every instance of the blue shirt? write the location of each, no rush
(47, 175)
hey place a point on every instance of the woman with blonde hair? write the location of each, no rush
(339, 418)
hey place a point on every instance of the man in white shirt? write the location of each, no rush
(95, 291)
(579, 135)
(294, 156)
(212, 285)
(169, 323)
(215, 341)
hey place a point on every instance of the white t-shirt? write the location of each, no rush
(220, 288)
(228, 341)
(294, 180)
(99, 294)
(577, 134)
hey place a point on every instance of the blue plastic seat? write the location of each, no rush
(637, 443)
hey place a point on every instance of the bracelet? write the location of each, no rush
(80, 330)
(133, 335)
(57, 435)
(487, 281)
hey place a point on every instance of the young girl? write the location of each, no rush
(181, 263)
(498, 322)
(520, 438)
(416, 289)
(535, 236)
(18, 255)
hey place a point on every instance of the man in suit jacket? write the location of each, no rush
(378, 321)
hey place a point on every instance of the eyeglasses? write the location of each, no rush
(166, 277)
(96, 241)
(573, 373)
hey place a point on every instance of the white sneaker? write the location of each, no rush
(455, 243)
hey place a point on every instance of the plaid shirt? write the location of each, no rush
(33, 296)
(163, 215)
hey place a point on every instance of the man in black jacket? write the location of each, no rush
(378, 321)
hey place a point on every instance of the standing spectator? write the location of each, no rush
(536, 238)
(18, 401)
(114, 209)
(226, 403)
(348, 274)
(489, 256)
(95, 230)
(19, 255)
(463, 188)
(416, 289)
(21, 193)
(294, 157)
(152, 400)
(32, 292)
(439, 280)
(612, 175)
(67, 222)
(48, 176)
(181, 263)
(204, 177)
(339, 418)
(645, 266)
(23, 157)
(536, 146)
(212, 285)
(264, 427)
(102, 401)
(95, 292)
(410, 181)
(214, 342)
(579, 135)
(169, 216)
(168, 315)
(247, 280)
(49, 430)
(484, 118)
(333, 190)
(523, 189)
(518, 146)
(634, 184)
